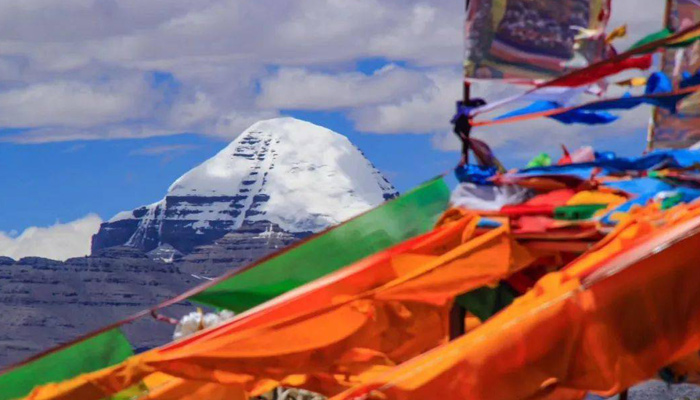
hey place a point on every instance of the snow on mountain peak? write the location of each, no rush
(293, 173)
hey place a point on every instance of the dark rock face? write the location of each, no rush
(166, 225)
(165, 253)
(6, 261)
(114, 234)
(148, 234)
(237, 249)
(45, 303)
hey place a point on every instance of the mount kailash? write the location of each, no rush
(278, 182)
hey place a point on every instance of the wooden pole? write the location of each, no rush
(656, 114)
(466, 92)
(458, 313)
(466, 99)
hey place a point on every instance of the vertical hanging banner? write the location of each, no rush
(533, 39)
(681, 129)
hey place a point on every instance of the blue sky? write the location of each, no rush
(103, 108)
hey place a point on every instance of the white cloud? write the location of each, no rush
(429, 35)
(231, 124)
(424, 112)
(74, 104)
(74, 70)
(107, 132)
(79, 69)
(298, 88)
(161, 150)
(58, 242)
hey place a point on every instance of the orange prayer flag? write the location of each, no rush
(351, 337)
(181, 389)
(597, 326)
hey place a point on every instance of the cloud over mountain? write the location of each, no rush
(58, 242)
(105, 69)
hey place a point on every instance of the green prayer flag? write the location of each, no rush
(485, 301)
(540, 160)
(95, 353)
(652, 37)
(660, 35)
(389, 224)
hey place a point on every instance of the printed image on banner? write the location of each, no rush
(533, 39)
(683, 128)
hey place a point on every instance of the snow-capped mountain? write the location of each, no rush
(279, 175)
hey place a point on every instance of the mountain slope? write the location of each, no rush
(45, 302)
(280, 174)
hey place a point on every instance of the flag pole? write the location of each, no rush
(458, 313)
(466, 89)
(656, 113)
